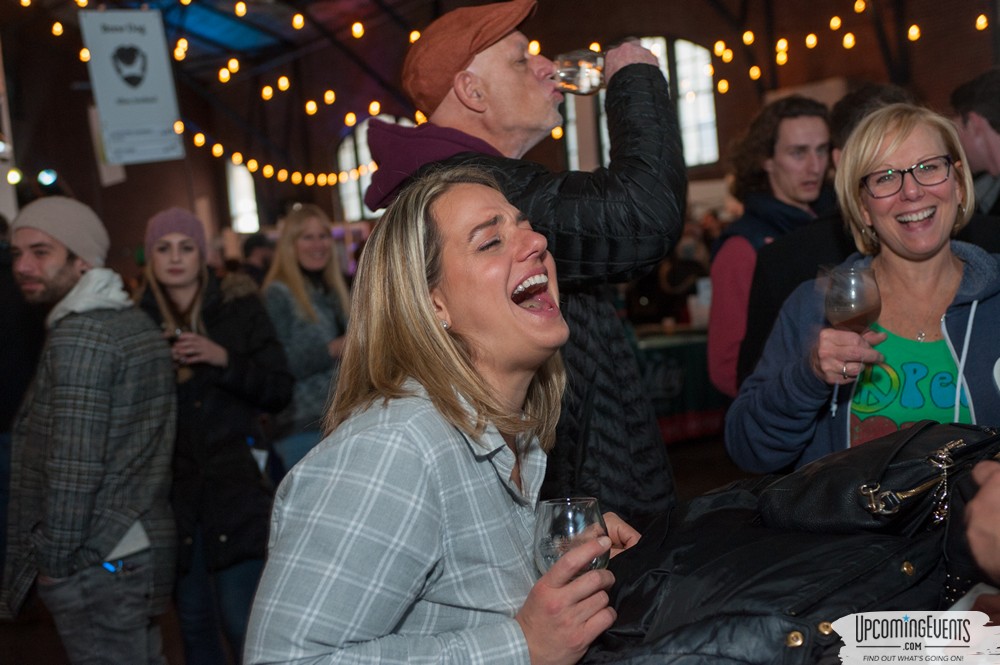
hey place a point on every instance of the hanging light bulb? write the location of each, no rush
(414, 35)
(224, 75)
(25, 3)
(309, 179)
(727, 55)
(182, 43)
(781, 57)
(419, 117)
(321, 180)
(282, 175)
(748, 37)
(534, 47)
(296, 178)
(178, 127)
(350, 119)
(217, 150)
(57, 29)
(357, 30)
(723, 86)
(311, 107)
(754, 73)
(342, 177)
(233, 65)
(283, 83)
(982, 22)
(198, 139)
(557, 133)
(267, 171)
(860, 6)
(849, 40)
(179, 54)
(329, 97)
(81, 3)
(14, 176)
(298, 21)
(252, 165)
(718, 48)
(374, 108)
(237, 158)
(85, 54)
(913, 33)
(781, 45)
(185, 2)
(811, 40)
(267, 92)
(240, 9)
(709, 70)
(363, 169)
(835, 23)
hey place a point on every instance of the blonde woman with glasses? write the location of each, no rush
(905, 189)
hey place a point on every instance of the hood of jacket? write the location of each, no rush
(400, 151)
(98, 288)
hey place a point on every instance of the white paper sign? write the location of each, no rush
(133, 85)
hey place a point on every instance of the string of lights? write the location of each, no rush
(259, 166)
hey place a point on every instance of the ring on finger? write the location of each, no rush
(843, 372)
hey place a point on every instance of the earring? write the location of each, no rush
(444, 324)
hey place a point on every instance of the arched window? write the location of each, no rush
(356, 166)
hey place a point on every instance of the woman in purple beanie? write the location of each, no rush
(229, 367)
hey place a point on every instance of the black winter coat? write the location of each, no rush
(604, 227)
(217, 482)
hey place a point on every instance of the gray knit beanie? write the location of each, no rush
(70, 222)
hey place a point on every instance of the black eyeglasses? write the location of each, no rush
(932, 171)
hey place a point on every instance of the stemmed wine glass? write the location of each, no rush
(852, 299)
(562, 524)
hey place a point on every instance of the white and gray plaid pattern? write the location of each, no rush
(399, 540)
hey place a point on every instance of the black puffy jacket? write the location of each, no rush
(217, 481)
(603, 227)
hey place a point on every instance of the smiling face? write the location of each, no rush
(497, 286)
(176, 261)
(522, 98)
(916, 223)
(314, 245)
(801, 154)
(42, 266)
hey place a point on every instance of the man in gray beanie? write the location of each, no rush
(90, 520)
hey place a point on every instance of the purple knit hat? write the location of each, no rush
(175, 220)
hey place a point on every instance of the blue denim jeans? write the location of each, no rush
(213, 605)
(103, 617)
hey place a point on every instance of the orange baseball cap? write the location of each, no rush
(449, 44)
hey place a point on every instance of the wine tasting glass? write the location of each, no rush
(561, 524)
(580, 72)
(852, 299)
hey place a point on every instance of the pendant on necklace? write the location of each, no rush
(921, 335)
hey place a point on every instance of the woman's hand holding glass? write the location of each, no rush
(190, 348)
(851, 305)
(567, 608)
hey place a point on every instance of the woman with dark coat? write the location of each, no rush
(230, 367)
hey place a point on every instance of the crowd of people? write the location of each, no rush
(314, 472)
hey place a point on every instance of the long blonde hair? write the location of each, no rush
(285, 266)
(395, 335)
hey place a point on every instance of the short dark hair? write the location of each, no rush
(757, 145)
(980, 95)
(855, 105)
(254, 241)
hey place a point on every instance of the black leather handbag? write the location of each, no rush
(902, 483)
(709, 585)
